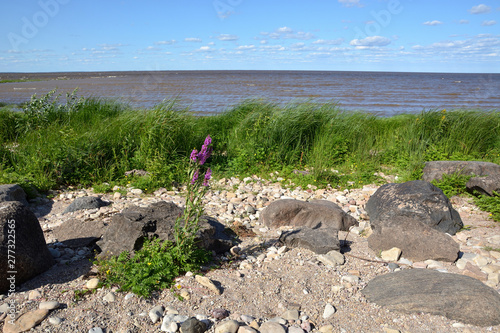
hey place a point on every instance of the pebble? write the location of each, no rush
(110, 297)
(34, 294)
(55, 320)
(326, 329)
(156, 313)
(329, 311)
(271, 327)
(96, 330)
(353, 279)
(294, 329)
(246, 319)
(193, 325)
(219, 314)
(92, 283)
(392, 266)
(246, 329)
(49, 305)
(206, 282)
(332, 258)
(290, 315)
(129, 296)
(391, 255)
(227, 326)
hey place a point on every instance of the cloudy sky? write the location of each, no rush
(359, 35)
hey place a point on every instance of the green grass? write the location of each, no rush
(87, 142)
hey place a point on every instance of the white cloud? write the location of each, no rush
(227, 37)
(477, 46)
(435, 22)
(166, 42)
(194, 40)
(205, 49)
(371, 41)
(246, 47)
(488, 23)
(480, 9)
(464, 22)
(337, 41)
(288, 33)
(351, 3)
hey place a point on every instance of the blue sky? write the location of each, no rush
(353, 35)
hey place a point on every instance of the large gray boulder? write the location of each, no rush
(454, 296)
(314, 214)
(320, 240)
(85, 203)
(434, 170)
(23, 251)
(484, 185)
(417, 241)
(128, 230)
(415, 199)
(13, 192)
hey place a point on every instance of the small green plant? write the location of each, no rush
(453, 184)
(157, 263)
(489, 248)
(81, 293)
(489, 204)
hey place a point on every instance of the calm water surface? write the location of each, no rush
(210, 92)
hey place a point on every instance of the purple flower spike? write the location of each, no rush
(194, 155)
(195, 177)
(208, 175)
(208, 141)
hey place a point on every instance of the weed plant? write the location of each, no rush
(158, 263)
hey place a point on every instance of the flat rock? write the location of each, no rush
(419, 200)
(49, 305)
(85, 203)
(454, 296)
(76, 233)
(391, 255)
(128, 230)
(206, 282)
(436, 169)
(321, 240)
(314, 214)
(26, 321)
(484, 185)
(417, 241)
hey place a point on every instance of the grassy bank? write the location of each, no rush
(90, 142)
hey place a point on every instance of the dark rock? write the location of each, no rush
(434, 170)
(321, 241)
(416, 240)
(79, 233)
(21, 244)
(454, 296)
(220, 314)
(193, 325)
(417, 200)
(85, 203)
(128, 230)
(13, 192)
(484, 185)
(314, 214)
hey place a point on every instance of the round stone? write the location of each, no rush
(92, 283)
(329, 311)
(49, 305)
(55, 320)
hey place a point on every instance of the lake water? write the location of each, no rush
(210, 92)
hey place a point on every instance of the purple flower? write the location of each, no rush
(195, 177)
(208, 141)
(194, 155)
(208, 175)
(205, 151)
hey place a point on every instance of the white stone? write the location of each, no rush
(391, 255)
(329, 311)
(92, 283)
(460, 263)
(156, 313)
(352, 279)
(49, 305)
(481, 261)
(55, 320)
(332, 258)
(110, 297)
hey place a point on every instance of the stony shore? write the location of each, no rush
(266, 282)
